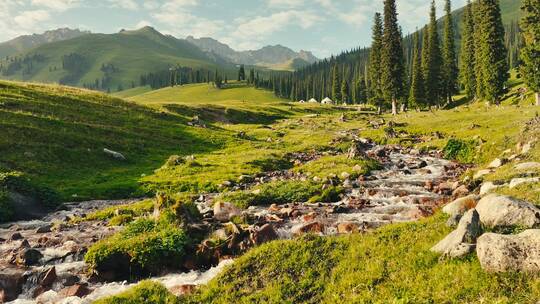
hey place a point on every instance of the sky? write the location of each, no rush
(324, 27)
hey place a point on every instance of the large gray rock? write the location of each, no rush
(461, 205)
(505, 211)
(510, 253)
(460, 242)
(224, 211)
(488, 187)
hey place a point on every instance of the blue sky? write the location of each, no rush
(324, 27)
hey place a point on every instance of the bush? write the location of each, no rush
(120, 220)
(142, 293)
(18, 182)
(460, 150)
(143, 248)
(135, 209)
(6, 208)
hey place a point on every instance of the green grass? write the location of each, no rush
(144, 292)
(390, 265)
(56, 135)
(132, 92)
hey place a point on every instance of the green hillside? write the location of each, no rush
(116, 60)
(57, 136)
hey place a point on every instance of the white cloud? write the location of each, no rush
(142, 24)
(125, 4)
(253, 32)
(286, 3)
(57, 5)
(27, 20)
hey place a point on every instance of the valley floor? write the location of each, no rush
(228, 154)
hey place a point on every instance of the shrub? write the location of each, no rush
(6, 208)
(143, 248)
(142, 293)
(460, 150)
(272, 163)
(18, 182)
(135, 209)
(120, 220)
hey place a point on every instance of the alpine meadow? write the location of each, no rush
(268, 151)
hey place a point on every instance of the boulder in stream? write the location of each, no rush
(461, 205)
(224, 211)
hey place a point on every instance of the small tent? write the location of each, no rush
(313, 100)
(327, 101)
(302, 101)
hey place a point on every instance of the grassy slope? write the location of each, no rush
(124, 50)
(57, 134)
(250, 110)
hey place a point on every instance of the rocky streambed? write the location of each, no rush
(41, 261)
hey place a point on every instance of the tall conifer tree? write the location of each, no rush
(433, 61)
(467, 59)
(374, 70)
(416, 95)
(344, 91)
(450, 70)
(493, 60)
(530, 55)
(392, 61)
(336, 85)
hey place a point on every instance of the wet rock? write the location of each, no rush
(11, 282)
(510, 253)
(77, 290)
(48, 277)
(528, 166)
(505, 211)
(224, 211)
(525, 180)
(347, 227)
(246, 179)
(181, 290)
(44, 229)
(457, 243)
(313, 227)
(497, 163)
(265, 233)
(15, 236)
(28, 257)
(461, 205)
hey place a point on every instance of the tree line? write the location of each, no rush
(424, 69)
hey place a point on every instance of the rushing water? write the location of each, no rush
(395, 193)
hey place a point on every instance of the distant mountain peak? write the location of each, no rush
(267, 56)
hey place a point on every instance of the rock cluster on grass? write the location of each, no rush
(496, 252)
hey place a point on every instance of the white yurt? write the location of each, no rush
(327, 101)
(313, 100)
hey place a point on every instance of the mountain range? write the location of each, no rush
(268, 56)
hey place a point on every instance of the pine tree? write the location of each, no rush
(344, 91)
(242, 73)
(336, 85)
(493, 61)
(392, 59)
(530, 55)
(361, 90)
(433, 61)
(374, 69)
(416, 95)
(467, 75)
(450, 70)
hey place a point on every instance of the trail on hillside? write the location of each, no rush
(409, 185)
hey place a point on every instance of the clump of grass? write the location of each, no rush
(461, 150)
(335, 165)
(144, 292)
(144, 247)
(282, 192)
(134, 210)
